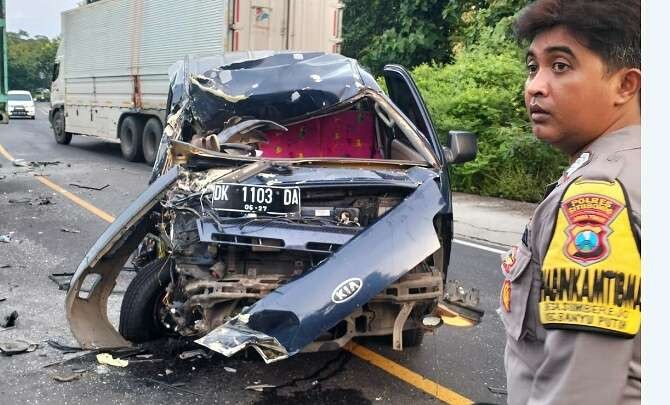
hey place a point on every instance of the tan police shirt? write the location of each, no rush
(570, 301)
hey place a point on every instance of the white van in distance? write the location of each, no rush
(20, 104)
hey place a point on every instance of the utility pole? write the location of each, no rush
(4, 114)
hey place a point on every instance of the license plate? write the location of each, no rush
(258, 199)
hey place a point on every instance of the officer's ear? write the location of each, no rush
(628, 82)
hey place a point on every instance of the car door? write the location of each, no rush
(405, 95)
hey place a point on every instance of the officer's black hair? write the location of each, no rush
(610, 28)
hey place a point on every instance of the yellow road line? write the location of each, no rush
(72, 197)
(75, 199)
(403, 373)
(6, 154)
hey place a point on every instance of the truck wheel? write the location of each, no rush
(58, 124)
(140, 308)
(151, 138)
(131, 138)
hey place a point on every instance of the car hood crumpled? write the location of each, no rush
(295, 314)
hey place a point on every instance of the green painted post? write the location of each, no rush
(4, 115)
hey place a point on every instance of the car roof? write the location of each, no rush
(18, 92)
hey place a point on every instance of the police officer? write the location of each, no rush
(570, 301)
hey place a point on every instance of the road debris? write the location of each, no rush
(260, 387)
(11, 348)
(43, 201)
(102, 369)
(9, 320)
(24, 200)
(63, 347)
(66, 377)
(497, 390)
(168, 371)
(89, 187)
(62, 280)
(6, 238)
(106, 358)
(144, 356)
(230, 369)
(70, 230)
(173, 386)
(34, 164)
(191, 353)
(66, 358)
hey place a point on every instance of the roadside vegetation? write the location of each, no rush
(30, 61)
(470, 72)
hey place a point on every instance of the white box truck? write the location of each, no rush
(110, 77)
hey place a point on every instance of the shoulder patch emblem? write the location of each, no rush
(589, 217)
(591, 278)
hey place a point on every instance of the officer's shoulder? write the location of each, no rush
(593, 241)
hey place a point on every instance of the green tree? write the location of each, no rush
(30, 60)
(408, 32)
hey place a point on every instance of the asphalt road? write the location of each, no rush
(467, 362)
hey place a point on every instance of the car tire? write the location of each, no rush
(151, 138)
(58, 124)
(139, 321)
(130, 135)
(412, 337)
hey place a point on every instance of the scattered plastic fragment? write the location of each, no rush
(90, 187)
(106, 358)
(168, 371)
(63, 347)
(102, 369)
(9, 320)
(16, 347)
(230, 369)
(69, 230)
(6, 238)
(66, 377)
(260, 387)
(144, 356)
(191, 353)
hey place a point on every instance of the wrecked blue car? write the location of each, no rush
(293, 206)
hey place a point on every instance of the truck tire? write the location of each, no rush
(58, 124)
(151, 138)
(139, 321)
(130, 135)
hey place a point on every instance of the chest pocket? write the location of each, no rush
(515, 289)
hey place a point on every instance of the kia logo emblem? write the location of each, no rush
(346, 290)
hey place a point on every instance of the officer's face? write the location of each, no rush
(569, 95)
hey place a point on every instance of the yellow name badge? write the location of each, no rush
(591, 272)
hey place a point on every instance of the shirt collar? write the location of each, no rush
(623, 139)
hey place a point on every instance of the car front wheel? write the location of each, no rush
(140, 319)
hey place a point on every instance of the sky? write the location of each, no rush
(37, 17)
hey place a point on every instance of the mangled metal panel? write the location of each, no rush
(295, 314)
(88, 316)
(281, 87)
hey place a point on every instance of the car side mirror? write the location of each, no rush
(462, 147)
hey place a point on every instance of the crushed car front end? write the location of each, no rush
(292, 207)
